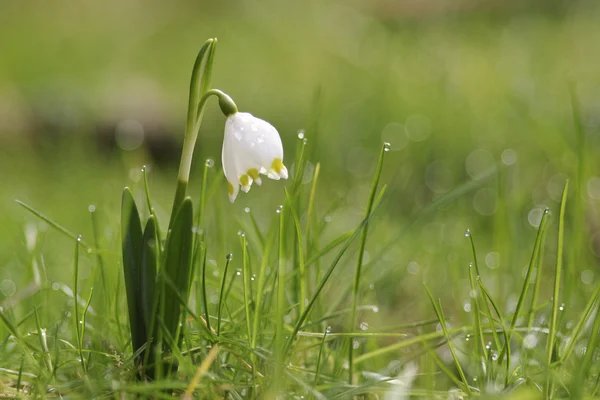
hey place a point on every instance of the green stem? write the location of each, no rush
(189, 142)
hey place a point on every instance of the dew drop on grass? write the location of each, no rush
(241, 233)
(55, 286)
(327, 218)
(467, 307)
(468, 337)
(355, 344)
(561, 307)
(468, 233)
(301, 134)
(304, 141)
(209, 162)
(535, 216)
(229, 257)
(386, 146)
(79, 238)
(91, 208)
(247, 210)
(238, 272)
(364, 326)
(328, 329)
(375, 309)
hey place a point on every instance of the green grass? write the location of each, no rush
(313, 287)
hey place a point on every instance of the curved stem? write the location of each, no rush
(189, 141)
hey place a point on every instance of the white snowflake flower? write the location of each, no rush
(251, 147)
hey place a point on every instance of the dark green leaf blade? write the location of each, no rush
(131, 240)
(177, 264)
(148, 272)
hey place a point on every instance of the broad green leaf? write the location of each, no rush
(177, 264)
(131, 239)
(148, 273)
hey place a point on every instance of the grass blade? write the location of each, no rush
(53, 224)
(246, 279)
(440, 315)
(325, 279)
(532, 265)
(585, 315)
(359, 261)
(222, 294)
(557, 284)
(261, 285)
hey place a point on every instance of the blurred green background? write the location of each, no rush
(473, 97)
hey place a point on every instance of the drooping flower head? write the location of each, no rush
(251, 147)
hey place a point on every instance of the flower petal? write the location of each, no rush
(251, 146)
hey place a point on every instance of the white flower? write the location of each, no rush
(251, 147)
